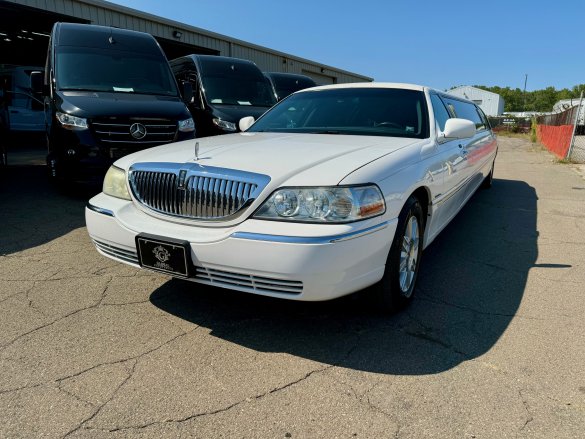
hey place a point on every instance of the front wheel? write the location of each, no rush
(396, 289)
(488, 180)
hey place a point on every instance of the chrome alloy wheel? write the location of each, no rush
(409, 256)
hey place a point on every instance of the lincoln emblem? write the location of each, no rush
(137, 130)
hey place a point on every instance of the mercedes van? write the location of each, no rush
(225, 90)
(285, 84)
(108, 92)
(22, 112)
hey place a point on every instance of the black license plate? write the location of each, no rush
(166, 255)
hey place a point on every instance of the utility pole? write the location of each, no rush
(525, 81)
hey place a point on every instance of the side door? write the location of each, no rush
(478, 150)
(454, 168)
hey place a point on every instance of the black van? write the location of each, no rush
(225, 90)
(108, 92)
(286, 83)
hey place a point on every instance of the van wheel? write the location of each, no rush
(396, 289)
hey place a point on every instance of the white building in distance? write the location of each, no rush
(492, 104)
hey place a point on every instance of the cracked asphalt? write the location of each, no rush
(492, 347)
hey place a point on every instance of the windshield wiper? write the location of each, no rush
(81, 89)
(325, 132)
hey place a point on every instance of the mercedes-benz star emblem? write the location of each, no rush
(137, 130)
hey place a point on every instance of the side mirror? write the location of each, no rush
(36, 82)
(187, 92)
(246, 122)
(458, 129)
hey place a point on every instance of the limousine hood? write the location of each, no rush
(288, 159)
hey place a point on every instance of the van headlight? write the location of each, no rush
(323, 204)
(115, 183)
(224, 124)
(187, 125)
(71, 122)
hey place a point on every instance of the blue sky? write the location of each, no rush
(437, 43)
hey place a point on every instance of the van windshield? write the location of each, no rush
(286, 85)
(93, 69)
(234, 83)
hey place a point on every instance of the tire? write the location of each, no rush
(396, 289)
(488, 181)
(3, 158)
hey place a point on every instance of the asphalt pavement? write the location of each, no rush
(492, 347)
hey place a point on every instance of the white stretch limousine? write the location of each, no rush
(334, 189)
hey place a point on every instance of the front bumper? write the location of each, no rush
(286, 260)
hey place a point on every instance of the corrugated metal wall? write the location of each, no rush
(492, 104)
(107, 14)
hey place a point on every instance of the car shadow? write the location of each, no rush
(33, 211)
(469, 289)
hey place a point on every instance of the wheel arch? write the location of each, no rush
(422, 194)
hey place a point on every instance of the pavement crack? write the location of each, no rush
(235, 404)
(428, 298)
(66, 316)
(123, 360)
(99, 409)
(222, 409)
(17, 389)
(529, 416)
(426, 335)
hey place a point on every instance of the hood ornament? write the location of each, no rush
(196, 151)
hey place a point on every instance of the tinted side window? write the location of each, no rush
(441, 114)
(484, 118)
(465, 110)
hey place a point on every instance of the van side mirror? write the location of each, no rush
(37, 82)
(458, 129)
(246, 122)
(187, 92)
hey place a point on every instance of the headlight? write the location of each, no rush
(187, 125)
(71, 122)
(224, 124)
(323, 204)
(115, 183)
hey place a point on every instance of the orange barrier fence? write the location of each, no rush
(557, 139)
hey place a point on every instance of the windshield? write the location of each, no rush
(358, 111)
(92, 69)
(285, 85)
(235, 83)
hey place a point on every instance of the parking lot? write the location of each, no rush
(492, 347)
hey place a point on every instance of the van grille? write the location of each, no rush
(195, 193)
(116, 132)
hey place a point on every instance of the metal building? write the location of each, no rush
(26, 24)
(492, 104)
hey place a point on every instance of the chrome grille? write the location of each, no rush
(116, 132)
(194, 191)
(128, 256)
(247, 282)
